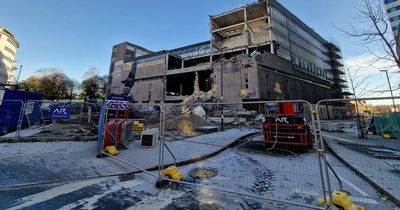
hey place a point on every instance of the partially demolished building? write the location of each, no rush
(266, 53)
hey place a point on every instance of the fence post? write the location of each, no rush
(161, 143)
(20, 119)
(317, 145)
(322, 154)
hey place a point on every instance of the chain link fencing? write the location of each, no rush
(58, 121)
(264, 150)
(362, 134)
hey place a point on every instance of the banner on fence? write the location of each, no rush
(60, 113)
(116, 104)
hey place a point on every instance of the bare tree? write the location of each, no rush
(371, 27)
(361, 84)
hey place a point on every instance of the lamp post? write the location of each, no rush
(390, 88)
(19, 73)
(222, 87)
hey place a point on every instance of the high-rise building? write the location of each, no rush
(393, 12)
(8, 49)
(267, 52)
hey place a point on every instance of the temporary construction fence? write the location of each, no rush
(44, 120)
(267, 150)
(131, 131)
(376, 116)
(279, 160)
(362, 126)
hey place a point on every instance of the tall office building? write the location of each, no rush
(393, 11)
(8, 49)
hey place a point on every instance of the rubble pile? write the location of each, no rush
(198, 110)
(185, 124)
(235, 116)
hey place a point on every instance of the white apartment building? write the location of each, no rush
(8, 50)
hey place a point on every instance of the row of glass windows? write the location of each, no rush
(291, 25)
(306, 51)
(390, 1)
(393, 9)
(308, 48)
(194, 51)
(9, 50)
(305, 65)
(394, 18)
(150, 59)
(312, 64)
(287, 27)
(190, 52)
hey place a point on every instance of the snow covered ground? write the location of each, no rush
(25, 163)
(246, 168)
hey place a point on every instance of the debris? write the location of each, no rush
(260, 118)
(199, 111)
(203, 173)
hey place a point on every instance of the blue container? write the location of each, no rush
(10, 107)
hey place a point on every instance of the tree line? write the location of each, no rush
(54, 84)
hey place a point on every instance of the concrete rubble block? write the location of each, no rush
(245, 113)
(227, 120)
(331, 127)
(199, 111)
(260, 118)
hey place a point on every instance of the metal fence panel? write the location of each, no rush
(228, 148)
(358, 132)
(60, 121)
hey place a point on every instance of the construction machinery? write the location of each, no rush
(285, 126)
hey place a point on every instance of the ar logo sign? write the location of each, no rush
(60, 111)
(282, 120)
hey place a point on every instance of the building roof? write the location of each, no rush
(134, 45)
(9, 34)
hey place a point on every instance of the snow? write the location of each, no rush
(374, 168)
(276, 175)
(23, 163)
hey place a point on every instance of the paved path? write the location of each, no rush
(375, 170)
(26, 163)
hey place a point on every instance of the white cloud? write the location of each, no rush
(362, 66)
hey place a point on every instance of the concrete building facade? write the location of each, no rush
(8, 50)
(267, 53)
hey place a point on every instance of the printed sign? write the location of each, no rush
(282, 120)
(60, 113)
(115, 104)
(29, 107)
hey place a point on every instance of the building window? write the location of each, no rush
(389, 1)
(8, 59)
(12, 42)
(394, 18)
(9, 50)
(393, 9)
